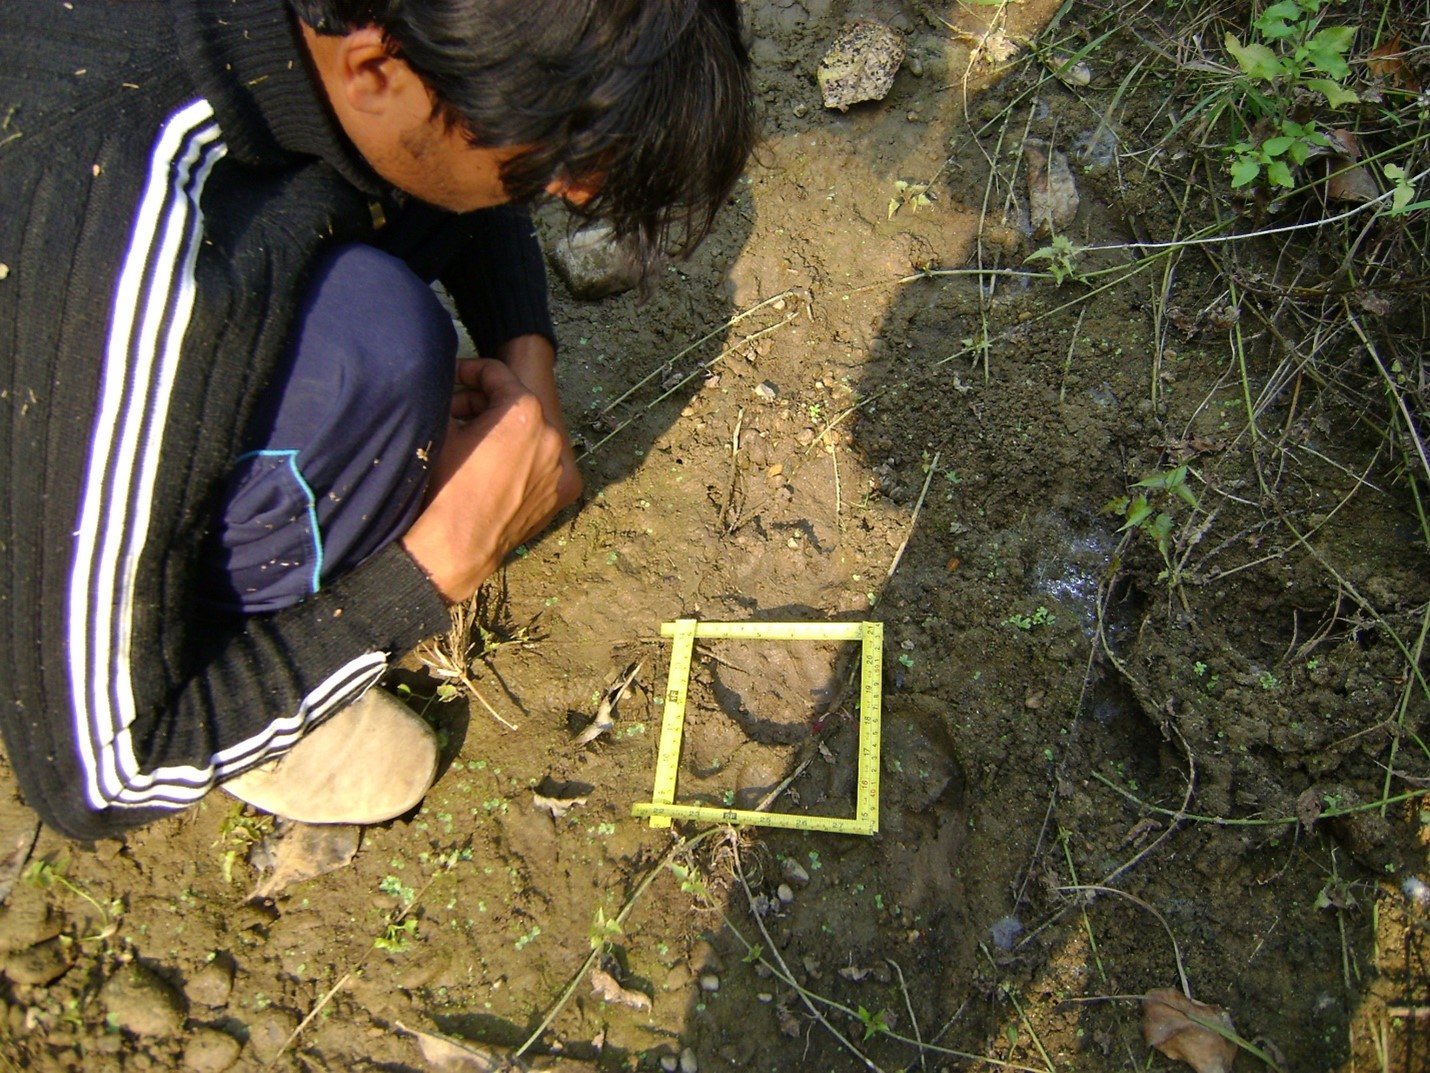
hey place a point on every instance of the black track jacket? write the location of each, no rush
(167, 174)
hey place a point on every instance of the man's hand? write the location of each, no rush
(533, 360)
(499, 478)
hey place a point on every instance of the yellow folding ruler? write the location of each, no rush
(662, 807)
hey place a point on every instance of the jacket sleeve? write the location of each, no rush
(490, 262)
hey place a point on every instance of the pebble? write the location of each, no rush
(593, 265)
(785, 893)
(141, 1002)
(710, 983)
(669, 1062)
(268, 1032)
(212, 985)
(39, 965)
(795, 871)
(767, 391)
(210, 1051)
(688, 1064)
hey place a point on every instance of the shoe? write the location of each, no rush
(371, 762)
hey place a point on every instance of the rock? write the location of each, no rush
(688, 1063)
(141, 1002)
(39, 965)
(1052, 195)
(785, 894)
(795, 871)
(593, 265)
(268, 1032)
(210, 1051)
(860, 65)
(709, 983)
(212, 985)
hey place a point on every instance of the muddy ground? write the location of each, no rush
(1104, 771)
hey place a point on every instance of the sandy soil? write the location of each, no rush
(1103, 771)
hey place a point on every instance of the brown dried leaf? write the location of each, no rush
(1177, 1026)
(605, 988)
(1388, 62)
(448, 1056)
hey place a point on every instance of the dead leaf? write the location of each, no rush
(1388, 62)
(449, 1056)
(1052, 194)
(1308, 808)
(558, 807)
(854, 973)
(298, 851)
(1349, 181)
(605, 988)
(1177, 1026)
(606, 711)
(789, 1023)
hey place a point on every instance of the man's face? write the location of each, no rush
(391, 118)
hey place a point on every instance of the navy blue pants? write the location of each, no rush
(338, 451)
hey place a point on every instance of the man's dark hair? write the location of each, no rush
(651, 98)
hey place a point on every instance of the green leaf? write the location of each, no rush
(1117, 506)
(1255, 60)
(1403, 190)
(1244, 170)
(1337, 96)
(1275, 22)
(1332, 39)
(1298, 151)
(1276, 146)
(1279, 174)
(1138, 512)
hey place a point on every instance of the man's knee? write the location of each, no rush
(383, 328)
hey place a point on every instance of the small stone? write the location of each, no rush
(141, 1002)
(593, 265)
(39, 965)
(767, 391)
(688, 1063)
(268, 1032)
(784, 893)
(4, 270)
(212, 985)
(210, 1051)
(795, 871)
(704, 957)
(669, 1062)
(765, 997)
(709, 983)
(800, 110)
(861, 64)
(915, 66)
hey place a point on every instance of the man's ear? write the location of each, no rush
(369, 76)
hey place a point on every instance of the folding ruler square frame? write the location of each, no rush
(662, 807)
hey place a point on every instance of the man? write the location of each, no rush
(225, 377)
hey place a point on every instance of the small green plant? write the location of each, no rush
(1040, 617)
(691, 882)
(1289, 66)
(526, 940)
(46, 875)
(1267, 680)
(874, 1024)
(393, 886)
(603, 931)
(396, 935)
(1150, 511)
(753, 954)
(915, 195)
(1062, 257)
